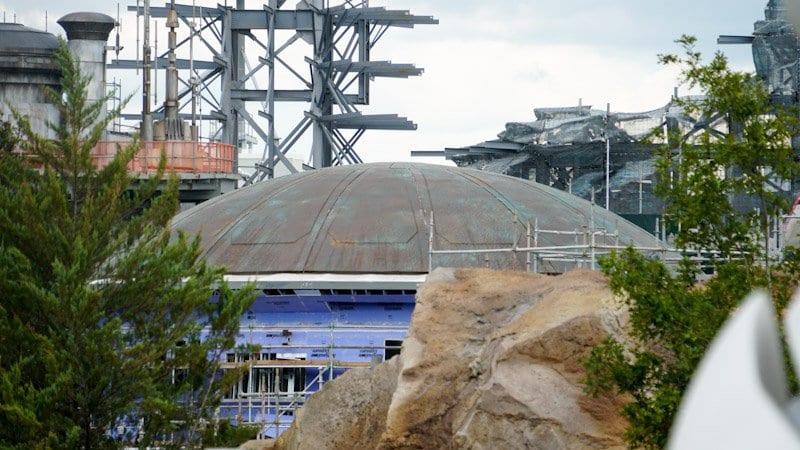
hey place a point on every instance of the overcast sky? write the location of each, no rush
(492, 62)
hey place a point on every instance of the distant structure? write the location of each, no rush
(609, 156)
(334, 79)
(776, 52)
(595, 154)
(27, 65)
(206, 169)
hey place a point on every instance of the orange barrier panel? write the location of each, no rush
(182, 156)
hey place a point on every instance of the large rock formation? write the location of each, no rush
(492, 360)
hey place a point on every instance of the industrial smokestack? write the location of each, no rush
(87, 34)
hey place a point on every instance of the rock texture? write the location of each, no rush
(349, 412)
(492, 360)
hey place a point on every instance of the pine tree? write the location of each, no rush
(103, 309)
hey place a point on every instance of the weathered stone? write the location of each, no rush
(350, 412)
(492, 360)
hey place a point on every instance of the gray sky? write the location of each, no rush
(491, 62)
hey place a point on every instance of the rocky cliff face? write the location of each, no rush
(492, 360)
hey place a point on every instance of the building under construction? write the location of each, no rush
(608, 156)
(337, 255)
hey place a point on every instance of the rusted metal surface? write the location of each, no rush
(182, 156)
(374, 218)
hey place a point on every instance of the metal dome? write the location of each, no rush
(17, 39)
(374, 218)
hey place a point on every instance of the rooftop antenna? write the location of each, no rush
(173, 125)
(147, 115)
(155, 63)
(117, 48)
(137, 37)
(45, 20)
(192, 76)
(200, 126)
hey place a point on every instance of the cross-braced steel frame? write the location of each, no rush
(335, 83)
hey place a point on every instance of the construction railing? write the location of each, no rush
(182, 156)
(582, 248)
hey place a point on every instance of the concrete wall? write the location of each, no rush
(25, 94)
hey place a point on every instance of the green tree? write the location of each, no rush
(105, 313)
(674, 317)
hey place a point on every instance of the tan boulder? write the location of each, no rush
(349, 412)
(492, 360)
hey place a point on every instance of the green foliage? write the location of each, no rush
(227, 435)
(756, 156)
(101, 305)
(673, 316)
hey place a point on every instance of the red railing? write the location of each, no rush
(182, 156)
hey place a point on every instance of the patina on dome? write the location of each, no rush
(375, 218)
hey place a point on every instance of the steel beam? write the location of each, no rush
(281, 95)
(182, 64)
(284, 20)
(377, 68)
(160, 115)
(734, 40)
(160, 12)
(427, 153)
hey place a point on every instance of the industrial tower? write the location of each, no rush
(336, 74)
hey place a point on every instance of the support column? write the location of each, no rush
(321, 104)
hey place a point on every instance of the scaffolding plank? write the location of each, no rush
(733, 40)
(377, 68)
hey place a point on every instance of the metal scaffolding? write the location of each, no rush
(335, 75)
(258, 398)
(585, 246)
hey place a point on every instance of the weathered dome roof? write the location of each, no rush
(374, 218)
(17, 39)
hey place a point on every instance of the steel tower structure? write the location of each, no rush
(339, 70)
